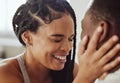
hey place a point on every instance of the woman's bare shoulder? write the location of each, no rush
(8, 64)
(9, 71)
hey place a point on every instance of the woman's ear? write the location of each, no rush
(104, 26)
(27, 38)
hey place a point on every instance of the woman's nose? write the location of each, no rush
(66, 46)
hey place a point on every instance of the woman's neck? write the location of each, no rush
(36, 71)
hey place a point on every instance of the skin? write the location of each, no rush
(106, 34)
(96, 62)
(51, 40)
(54, 39)
(43, 45)
(87, 26)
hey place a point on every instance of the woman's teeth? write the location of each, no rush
(60, 57)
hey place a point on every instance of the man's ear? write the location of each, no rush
(26, 37)
(104, 26)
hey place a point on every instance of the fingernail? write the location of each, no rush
(99, 29)
(118, 46)
(115, 38)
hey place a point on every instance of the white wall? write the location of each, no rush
(80, 7)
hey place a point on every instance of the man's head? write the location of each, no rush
(104, 13)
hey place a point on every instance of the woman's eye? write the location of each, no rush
(57, 41)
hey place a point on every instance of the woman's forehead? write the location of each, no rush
(64, 25)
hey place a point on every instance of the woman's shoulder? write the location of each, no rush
(9, 71)
(8, 63)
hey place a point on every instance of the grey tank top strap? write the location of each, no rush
(23, 69)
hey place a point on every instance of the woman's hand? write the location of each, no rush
(95, 62)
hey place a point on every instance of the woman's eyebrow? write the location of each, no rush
(61, 35)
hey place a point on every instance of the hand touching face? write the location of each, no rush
(94, 62)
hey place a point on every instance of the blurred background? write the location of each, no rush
(9, 44)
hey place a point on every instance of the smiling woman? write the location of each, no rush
(8, 7)
(47, 29)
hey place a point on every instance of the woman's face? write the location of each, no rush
(52, 43)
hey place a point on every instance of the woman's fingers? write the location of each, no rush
(110, 43)
(105, 59)
(95, 39)
(112, 64)
(83, 45)
(106, 48)
(96, 60)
